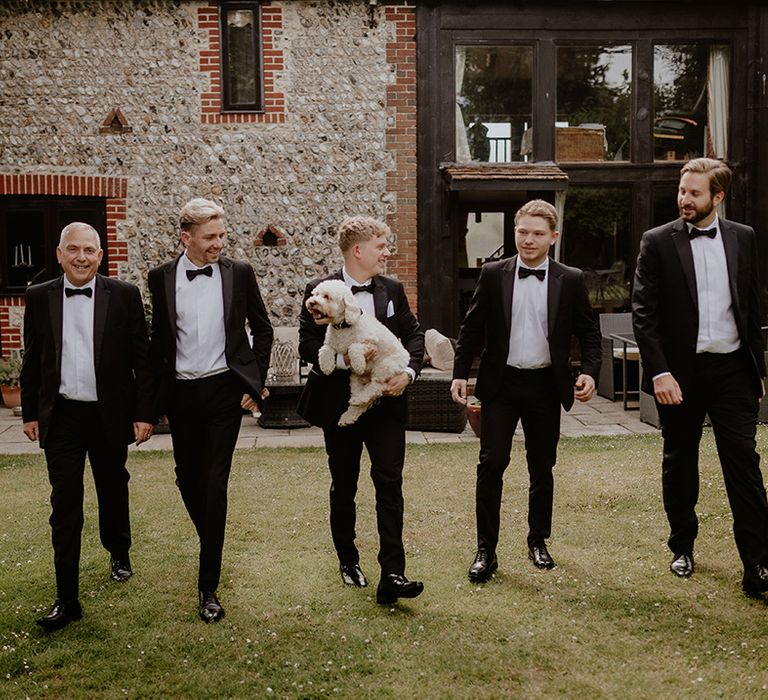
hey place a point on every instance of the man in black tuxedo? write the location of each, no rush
(364, 245)
(523, 313)
(696, 316)
(207, 372)
(86, 389)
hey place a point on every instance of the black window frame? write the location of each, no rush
(227, 106)
(54, 209)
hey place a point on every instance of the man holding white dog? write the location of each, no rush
(381, 429)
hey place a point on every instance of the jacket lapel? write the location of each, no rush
(379, 299)
(554, 287)
(507, 290)
(227, 283)
(169, 280)
(682, 243)
(100, 308)
(55, 301)
(731, 245)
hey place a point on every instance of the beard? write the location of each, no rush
(697, 214)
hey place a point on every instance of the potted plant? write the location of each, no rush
(473, 414)
(10, 368)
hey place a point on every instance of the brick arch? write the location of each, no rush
(270, 230)
(113, 189)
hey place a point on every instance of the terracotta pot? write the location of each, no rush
(11, 396)
(473, 416)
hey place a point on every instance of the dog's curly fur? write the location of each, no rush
(352, 332)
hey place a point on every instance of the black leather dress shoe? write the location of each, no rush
(61, 615)
(682, 565)
(210, 607)
(538, 554)
(121, 569)
(353, 575)
(483, 566)
(394, 586)
(755, 580)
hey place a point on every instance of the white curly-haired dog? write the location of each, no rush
(352, 332)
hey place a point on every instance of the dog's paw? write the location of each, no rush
(326, 358)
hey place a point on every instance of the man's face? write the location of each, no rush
(694, 200)
(204, 242)
(79, 256)
(371, 255)
(533, 238)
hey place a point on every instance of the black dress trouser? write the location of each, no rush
(76, 431)
(204, 418)
(531, 397)
(723, 387)
(383, 434)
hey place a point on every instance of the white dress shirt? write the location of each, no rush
(528, 343)
(78, 370)
(200, 334)
(717, 325)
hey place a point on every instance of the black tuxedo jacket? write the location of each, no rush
(121, 356)
(487, 327)
(665, 307)
(326, 397)
(242, 302)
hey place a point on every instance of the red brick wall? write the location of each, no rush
(401, 142)
(210, 62)
(113, 189)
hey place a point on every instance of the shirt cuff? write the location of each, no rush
(340, 364)
(411, 374)
(662, 374)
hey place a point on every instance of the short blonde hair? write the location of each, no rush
(538, 207)
(75, 226)
(719, 173)
(199, 211)
(358, 229)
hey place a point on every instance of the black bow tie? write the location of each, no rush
(694, 232)
(362, 288)
(207, 271)
(523, 272)
(70, 292)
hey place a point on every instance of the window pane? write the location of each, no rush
(493, 103)
(593, 101)
(485, 237)
(596, 238)
(24, 248)
(664, 203)
(241, 57)
(691, 99)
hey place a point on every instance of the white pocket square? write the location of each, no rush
(390, 309)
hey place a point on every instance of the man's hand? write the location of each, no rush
(585, 387)
(667, 390)
(248, 402)
(762, 388)
(396, 385)
(459, 391)
(370, 353)
(32, 430)
(142, 432)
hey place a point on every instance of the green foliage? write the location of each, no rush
(10, 369)
(609, 622)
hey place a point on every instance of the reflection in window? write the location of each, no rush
(593, 100)
(691, 101)
(493, 103)
(664, 203)
(596, 238)
(240, 55)
(485, 237)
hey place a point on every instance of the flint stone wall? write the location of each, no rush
(64, 65)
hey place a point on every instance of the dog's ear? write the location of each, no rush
(351, 308)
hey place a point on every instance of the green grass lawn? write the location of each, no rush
(610, 621)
